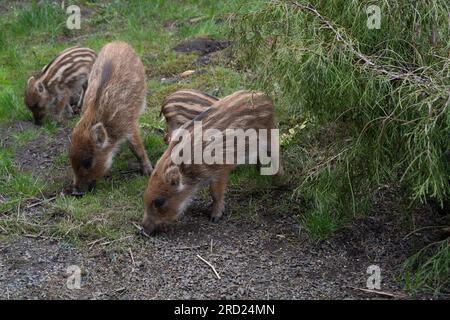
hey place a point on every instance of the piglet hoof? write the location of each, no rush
(69, 113)
(60, 121)
(214, 219)
(77, 194)
(145, 233)
(147, 170)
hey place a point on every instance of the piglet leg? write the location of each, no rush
(217, 188)
(137, 147)
(62, 108)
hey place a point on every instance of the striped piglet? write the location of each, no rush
(53, 89)
(182, 106)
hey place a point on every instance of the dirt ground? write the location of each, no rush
(271, 259)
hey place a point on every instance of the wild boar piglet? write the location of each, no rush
(182, 106)
(114, 100)
(238, 129)
(53, 90)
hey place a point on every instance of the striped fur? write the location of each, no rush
(53, 89)
(112, 105)
(182, 106)
(174, 185)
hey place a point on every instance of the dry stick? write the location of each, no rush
(131, 255)
(41, 202)
(209, 264)
(424, 228)
(137, 226)
(29, 235)
(189, 248)
(73, 228)
(91, 244)
(382, 293)
(109, 242)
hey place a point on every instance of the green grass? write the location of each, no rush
(47, 19)
(23, 138)
(16, 187)
(11, 105)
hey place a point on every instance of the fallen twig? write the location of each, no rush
(41, 202)
(209, 264)
(189, 248)
(73, 228)
(109, 242)
(91, 244)
(424, 228)
(131, 255)
(139, 228)
(120, 290)
(381, 293)
(28, 235)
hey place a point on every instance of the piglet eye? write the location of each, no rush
(159, 202)
(86, 163)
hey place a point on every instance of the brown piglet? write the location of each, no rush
(175, 181)
(113, 102)
(53, 89)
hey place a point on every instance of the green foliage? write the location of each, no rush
(429, 268)
(391, 128)
(378, 100)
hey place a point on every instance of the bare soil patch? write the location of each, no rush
(8, 5)
(202, 45)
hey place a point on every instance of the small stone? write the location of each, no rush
(187, 73)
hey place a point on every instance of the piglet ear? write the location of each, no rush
(99, 135)
(29, 80)
(173, 175)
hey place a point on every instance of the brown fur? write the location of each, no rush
(182, 106)
(171, 186)
(53, 89)
(113, 102)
